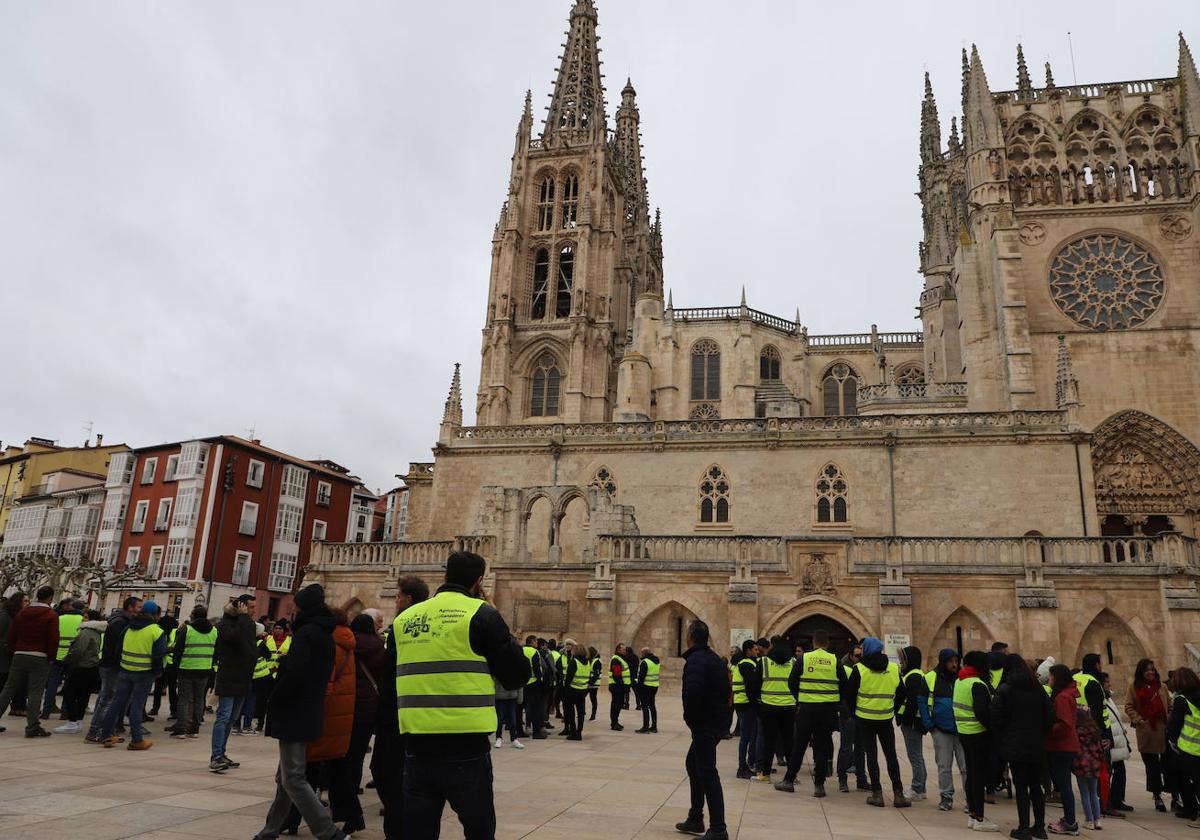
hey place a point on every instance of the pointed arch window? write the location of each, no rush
(545, 207)
(543, 399)
(606, 481)
(832, 491)
(769, 364)
(714, 497)
(566, 281)
(541, 284)
(706, 370)
(839, 391)
(570, 201)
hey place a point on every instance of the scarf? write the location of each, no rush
(1149, 702)
(966, 672)
(279, 636)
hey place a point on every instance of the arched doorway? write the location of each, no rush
(840, 638)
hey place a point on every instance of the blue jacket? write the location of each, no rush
(941, 716)
(707, 696)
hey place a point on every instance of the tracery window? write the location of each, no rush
(832, 490)
(570, 201)
(910, 375)
(566, 281)
(704, 411)
(706, 370)
(769, 364)
(541, 284)
(1106, 282)
(545, 206)
(543, 399)
(606, 481)
(840, 391)
(714, 496)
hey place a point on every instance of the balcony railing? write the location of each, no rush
(911, 393)
(430, 554)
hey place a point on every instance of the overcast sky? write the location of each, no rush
(223, 215)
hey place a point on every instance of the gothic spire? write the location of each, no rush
(966, 74)
(981, 124)
(1066, 386)
(1049, 76)
(1024, 85)
(955, 144)
(453, 413)
(629, 143)
(931, 128)
(1189, 79)
(576, 112)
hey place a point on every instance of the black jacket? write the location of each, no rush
(707, 696)
(1094, 693)
(751, 679)
(114, 636)
(1179, 711)
(296, 710)
(1021, 717)
(916, 691)
(235, 654)
(490, 638)
(877, 662)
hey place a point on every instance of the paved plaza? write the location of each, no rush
(610, 785)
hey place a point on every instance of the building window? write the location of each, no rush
(254, 475)
(148, 470)
(283, 571)
(704, 411)
(570, 201)
(840, 391)
(706, 370)
(831, 496)
(910, 375)
(120, 469)
(241, 568)
(714, 496)
(287, 526)
(606, 481)
(179, 558)
(193, 459)
(187, 507)
(114, 512)
(162, 521)
(546, 203)
(541, 284)
(319, 529)
(133, 558)
(1106, 282)
(140, 513)
(769, 364)
(295, 482)
(566, 281)
(154, 564)
(106, 554)
(543, 400)
(172, 468)
(248, 524)
(324, 493)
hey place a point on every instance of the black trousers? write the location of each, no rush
(815, 722)
(1027, 784)
(775, 722)
(387, 771)
(592, 693)
(649, 707)
(573, 710)
(704, 780)
(881, 734)
(345, 774)
(262, 693)
(81, 682)
(976, 749)
(165, 680)
(1155, 772)
(618, 700)
(466, 784)
(535, 708)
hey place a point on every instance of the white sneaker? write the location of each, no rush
(970, 823)
(69, 728)
(913, 796)
(984, 825)
(499, 743)
(517, 745)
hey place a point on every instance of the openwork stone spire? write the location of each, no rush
(576, 111)
(1024, 85)
(982, 125)
(966, 75)
(629, 143)
(931, 127)
(1066, 386)
(955, 143)
(453, 414)
(1189, 79)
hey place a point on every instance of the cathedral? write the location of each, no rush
(1023, 468)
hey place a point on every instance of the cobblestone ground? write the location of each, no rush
(611, 785)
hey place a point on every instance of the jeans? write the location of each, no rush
(26, 681)
(649, 696)
(704, 780)
(1116, 787)
(81, 682)
(108, 687)
(228, 710)
(132, 689)
(947, 749)
(1089, 796)
(245, 718)
(191, 685)
(54, 679)
(1060, 771)
(291, 788)
(814, 722)
(747, 716)
(914, 741)
(466, 783)
(850, 756)
(884, 732)
(977, 748)
(1027, 786)
(506, 714)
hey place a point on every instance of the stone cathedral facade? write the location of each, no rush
(1023, 467)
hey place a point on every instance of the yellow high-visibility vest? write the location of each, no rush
(197, 649)
(137, 647)
(1082, 680)
(775, 691)
(652, 670)
(964, 707)
(68, 630)
(818, 678)
(877, 692)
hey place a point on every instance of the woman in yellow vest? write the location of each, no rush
(972, 717)
(597, 666)
(577, 676)
(647, 683)
(875, 693)
(1183, 731)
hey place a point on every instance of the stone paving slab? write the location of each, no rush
(610, 786)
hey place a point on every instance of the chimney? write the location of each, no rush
(99, 440)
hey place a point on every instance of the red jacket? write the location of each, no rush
(1063, 736)
(35, 630)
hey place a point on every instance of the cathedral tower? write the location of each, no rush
(573, 250)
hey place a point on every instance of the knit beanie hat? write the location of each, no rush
(310, 596)
(871, 645)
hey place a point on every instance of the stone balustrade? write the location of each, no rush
(923, 392)
(400, 555)
(704, 552)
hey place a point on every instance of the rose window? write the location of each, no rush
(1106, 282)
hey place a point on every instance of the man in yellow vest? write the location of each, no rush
(619, 678)
(647, 683)
(448, 650)
(778, 705)
(875, 693)
(143, 648)
(193, 657)
(818, 682)
(70, 616)
(746, 679)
